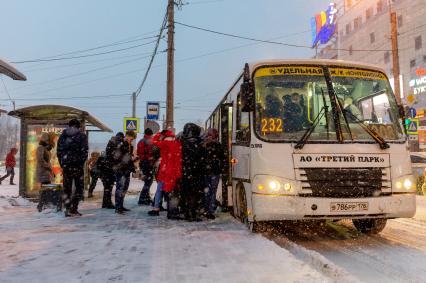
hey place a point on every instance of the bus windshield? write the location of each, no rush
(290, 98)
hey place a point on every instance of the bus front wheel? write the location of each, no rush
(370, 226)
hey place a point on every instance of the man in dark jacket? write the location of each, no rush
(123, 165)
(214, 161)
(192, 171)
(72, 153)
(108, 178)
(147, 154)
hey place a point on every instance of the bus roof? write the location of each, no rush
(321, 62)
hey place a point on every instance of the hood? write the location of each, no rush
(191, 130)
(71, 131)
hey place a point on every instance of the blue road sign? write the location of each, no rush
(152, 110)
(412, 112)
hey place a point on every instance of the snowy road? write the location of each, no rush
(398, 254)
(102, 247)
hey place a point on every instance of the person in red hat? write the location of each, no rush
(10, 165)
(170, 170)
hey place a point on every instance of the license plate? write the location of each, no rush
(348, 206)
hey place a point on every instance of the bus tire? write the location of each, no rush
(370, 226)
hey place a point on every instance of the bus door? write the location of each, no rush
(241, 145)
(226, 140)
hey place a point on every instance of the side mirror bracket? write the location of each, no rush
(247, 91)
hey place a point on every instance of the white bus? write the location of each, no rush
(314, 139)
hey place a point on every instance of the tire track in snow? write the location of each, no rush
(313, 259)
(387, 257)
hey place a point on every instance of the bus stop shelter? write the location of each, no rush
(51, 119)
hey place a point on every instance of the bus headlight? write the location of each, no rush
(263, 184)
(408, 183)
(274, 186)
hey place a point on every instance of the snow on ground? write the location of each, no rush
(398, 254)
(101, 246)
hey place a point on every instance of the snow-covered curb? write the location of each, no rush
(9, 202)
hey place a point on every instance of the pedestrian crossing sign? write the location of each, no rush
(132, 124)
(413, 126)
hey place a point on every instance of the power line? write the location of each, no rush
(115, 43)
(87, 62)
(163, 26)
(268, 41)
(83, 56)
(83, 73)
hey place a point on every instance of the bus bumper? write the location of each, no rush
(272, 208)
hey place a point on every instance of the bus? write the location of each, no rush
(314, 140)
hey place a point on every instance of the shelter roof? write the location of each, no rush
(58, 113)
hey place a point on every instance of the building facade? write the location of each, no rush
(363, 34)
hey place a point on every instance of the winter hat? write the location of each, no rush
(120, 135)
(191, 130)
(168, 134)
(148, 132)
(74, 123)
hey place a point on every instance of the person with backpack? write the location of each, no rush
(123, 166)
(93, 171)
(215, 158)
(10, 166)
(147, 153)
(170, 170)
(72, 152)
(193, 158)
(106, 174)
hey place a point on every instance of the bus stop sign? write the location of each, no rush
(412, 111)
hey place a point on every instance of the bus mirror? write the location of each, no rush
(247, 97)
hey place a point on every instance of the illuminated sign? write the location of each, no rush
(272, 125)
(33, 138)
(323, 25)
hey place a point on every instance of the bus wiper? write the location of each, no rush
(326, 113)
(381, 141)
(301, 143)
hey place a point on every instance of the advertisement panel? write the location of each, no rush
(33, 139)
(323, 25)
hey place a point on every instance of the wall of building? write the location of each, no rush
(365, 25)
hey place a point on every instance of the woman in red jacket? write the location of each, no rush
(10, 166)
(170, 170)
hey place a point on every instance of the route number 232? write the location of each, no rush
(272, 125)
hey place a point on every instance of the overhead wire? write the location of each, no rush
(268, 41)
(71, 97)
(83, 73)
(163, 26)
(84, 56)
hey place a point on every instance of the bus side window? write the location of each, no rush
(243, 124)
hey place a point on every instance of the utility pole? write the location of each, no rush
(170, 65)
(134, 105)
(395, 55)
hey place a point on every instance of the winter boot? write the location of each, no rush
(106, 200)
(154, 213)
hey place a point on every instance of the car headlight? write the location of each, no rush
(405, 183)
(274, 185)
